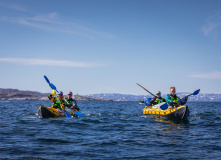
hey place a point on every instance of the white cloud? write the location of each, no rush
(53, 22)
(213, 24)
(14, 7)
(213, 75)
(44, 62)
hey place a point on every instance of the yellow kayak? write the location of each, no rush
(178, 113)
(48, 112)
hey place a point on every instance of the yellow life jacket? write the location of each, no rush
(157, 101)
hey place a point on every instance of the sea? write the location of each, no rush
(109, 130)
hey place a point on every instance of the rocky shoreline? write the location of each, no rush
(15, 94)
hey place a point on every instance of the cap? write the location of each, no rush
(158, 93)
(60, 93)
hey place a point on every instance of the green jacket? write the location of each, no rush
(71, 102)
(156, 100)
(56, 102)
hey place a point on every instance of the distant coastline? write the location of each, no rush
(15, 94)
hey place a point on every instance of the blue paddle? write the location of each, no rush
(47, 80)
(184, 99)
(195, 93)
(54, 88)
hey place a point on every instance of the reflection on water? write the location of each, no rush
(169, 131)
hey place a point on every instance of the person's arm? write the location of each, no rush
(153, 99)
(184, 100)
(50, 97)
(168, 99)
(75, 105)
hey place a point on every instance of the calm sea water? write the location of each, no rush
(108, 130)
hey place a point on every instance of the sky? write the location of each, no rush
(107, 46)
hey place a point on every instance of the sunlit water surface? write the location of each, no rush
(108, 130)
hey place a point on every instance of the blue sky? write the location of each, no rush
(107, 46)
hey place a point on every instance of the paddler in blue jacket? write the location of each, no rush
(157, 99)
(173, 100)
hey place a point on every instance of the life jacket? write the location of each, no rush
(157, 101)
(173, 99)
(58, 103)
(71, 102)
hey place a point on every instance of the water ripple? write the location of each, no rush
(108, 130)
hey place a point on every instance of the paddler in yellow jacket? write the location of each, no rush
(58, 102)
(157, 99)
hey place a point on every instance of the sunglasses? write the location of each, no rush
(69, 94)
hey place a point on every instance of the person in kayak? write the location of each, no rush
(157, 99)
(58, 102)
(70, 102)
(173, 100)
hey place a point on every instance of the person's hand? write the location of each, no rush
(76, 108)
(72, 107)
(62, 107)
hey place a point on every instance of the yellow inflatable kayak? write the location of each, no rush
(48, 112)
(178, 113)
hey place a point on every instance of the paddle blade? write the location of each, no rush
(78, 114)
(47, 79)
(147, 102)
(164, 106)
(196, 92)
(53, 86)
(67, 115)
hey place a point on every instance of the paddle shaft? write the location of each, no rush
(145, 89)
(148, 91)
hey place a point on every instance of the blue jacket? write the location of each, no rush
(169, 100)
(180, 101)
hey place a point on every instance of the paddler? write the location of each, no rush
(58, 102)
(173, 100)
(70, 102)
(157, 99)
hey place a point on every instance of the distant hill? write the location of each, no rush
(8, 94)
(128, 97)
(15, 94)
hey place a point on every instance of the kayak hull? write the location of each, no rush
(50, 112)
(178, 113)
